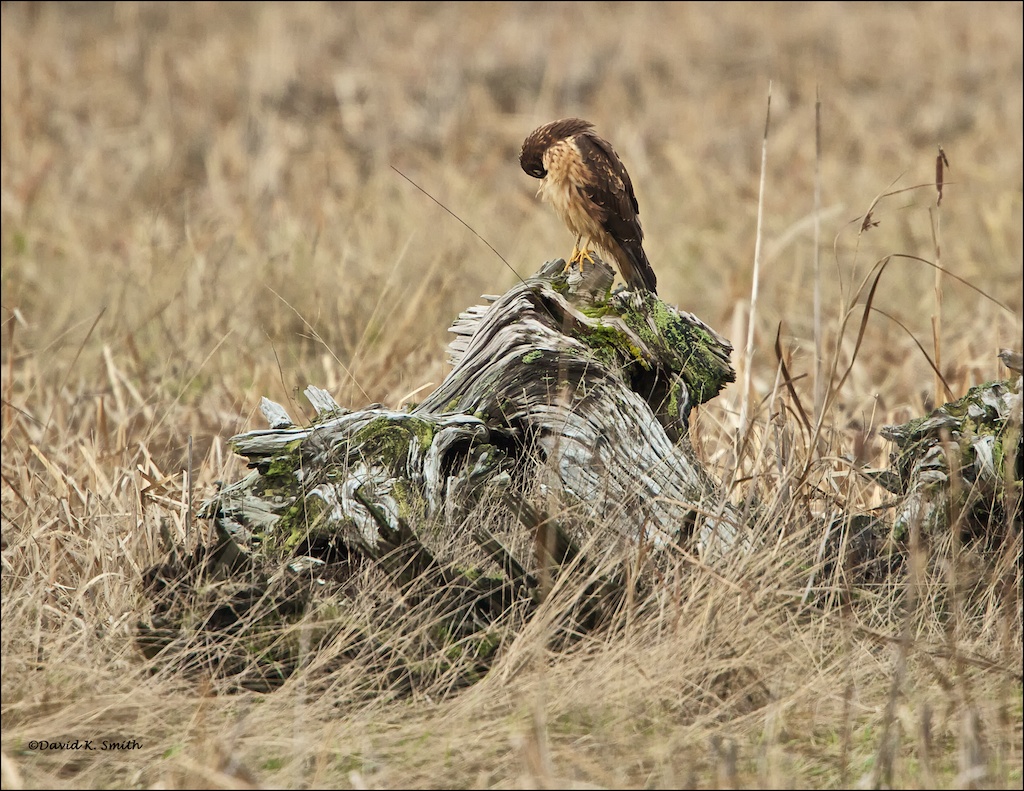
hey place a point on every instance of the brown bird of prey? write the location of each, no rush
(584, 179)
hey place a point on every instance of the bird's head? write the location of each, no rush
(531, 158)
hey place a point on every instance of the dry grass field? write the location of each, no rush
(201, 206)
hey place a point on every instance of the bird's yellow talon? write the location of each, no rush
(578, 257)
(572, 259)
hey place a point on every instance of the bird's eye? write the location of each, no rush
(538, 172)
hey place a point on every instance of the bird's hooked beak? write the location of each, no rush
(530, 162)
(537, 171)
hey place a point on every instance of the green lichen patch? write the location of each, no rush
(278, 474)
(689, 349)
(306, 517)
(386, 440)
(597, 310)
(682, 346)
(409, 499)
(611, 347)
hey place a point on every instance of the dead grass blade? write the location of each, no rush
(931, 363)
(788, 381)
(748, 349)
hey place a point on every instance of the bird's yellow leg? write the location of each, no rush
(579, 255)
(584, 255)
(575, 257)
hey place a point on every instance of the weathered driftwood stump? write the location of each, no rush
(558, 439)
(562, 425)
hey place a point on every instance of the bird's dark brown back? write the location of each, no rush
(620, 212)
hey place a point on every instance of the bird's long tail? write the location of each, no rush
(639, 274)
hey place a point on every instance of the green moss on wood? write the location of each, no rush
(612, 347)
(387, 440)
(688, 348)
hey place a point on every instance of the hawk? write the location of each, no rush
(584, 179)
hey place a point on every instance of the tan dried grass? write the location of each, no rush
(199, 209)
